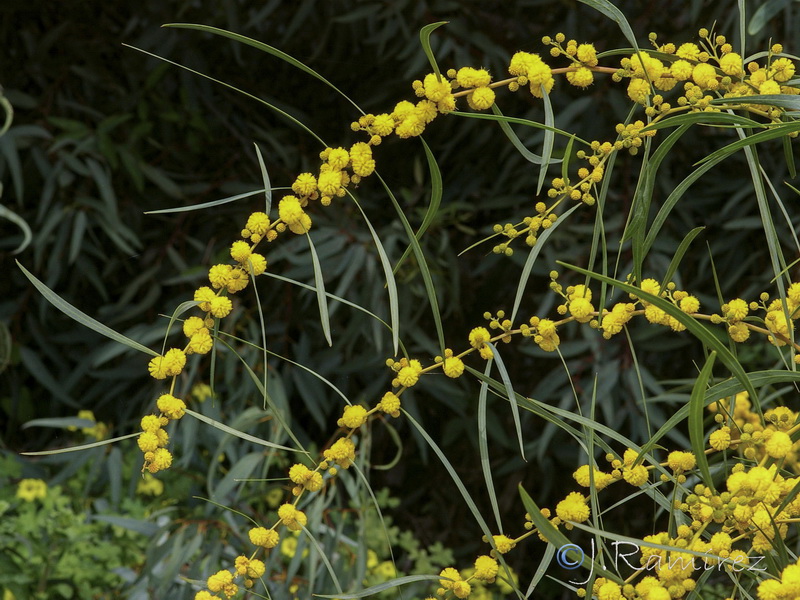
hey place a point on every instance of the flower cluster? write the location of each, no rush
(751, 509)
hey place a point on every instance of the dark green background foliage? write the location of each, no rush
(103, 133)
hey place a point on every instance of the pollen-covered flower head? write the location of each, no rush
(31, 489)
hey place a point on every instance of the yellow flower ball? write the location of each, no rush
(453, 367)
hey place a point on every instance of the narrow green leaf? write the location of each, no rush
(323, 555)
(311, 288)
(276, 411)
(265, 48)
(433, 206)
(240, 470)
(205, 205)
(322, 301)
(387, 585)
(76, 238)
(422, 264)
(265, 177)
(6, 346)
(531, 157)
(81, 447)
(476, 513)
(146, 528)
(679, 254)
(716, 119)
(615, 14)
(764, 13)
(741, 5)
(533, 255)
(179, 310)
(750, 140)
(425, 40)
(27, 236)
(788, 156)
(391, 283)
(549, 140)
(510, 395)
(8, 109)
(518, 121)
(240, 434)
(541, 570)
(308, 370)
(82, 317)
(272, 107)
(696, 411)
(792, 102)
(483, 447)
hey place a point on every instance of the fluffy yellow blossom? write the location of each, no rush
(581, 77)
(486, 568)
(220, 581)
(680, 462)
(172, 407)
(169, 365)
(638, 90)
(601, 480)
(193, 325)
(453, 367)
(408, 376)
(573, 508)
(535, 69)
(479, 336)
(337, 158)
(782, 69)
(361, 159)
(292, 214)
(383, 124)
(776, 322)
(481, 98)
(258, 263)
(354, 416)
(220, 306)
(342, 452)
(390, 404)
(150, 423)
(731, 64)
(258, 223)
(162, 459)
(293, 518)
(735, 310)
(200, 343)
(31, 489)
(204, 295)
(436, 90)
(503, 543)
(267, 538)
(305, 184)
(587, 54)
(240, 251)
(778, 445)
(739, 332)
(681, 70)
(689, 304)
(705, 76)
(469, 77)
(636, 476)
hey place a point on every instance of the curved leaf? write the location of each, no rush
(265, 48)
(425, 40)
(82, 317)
